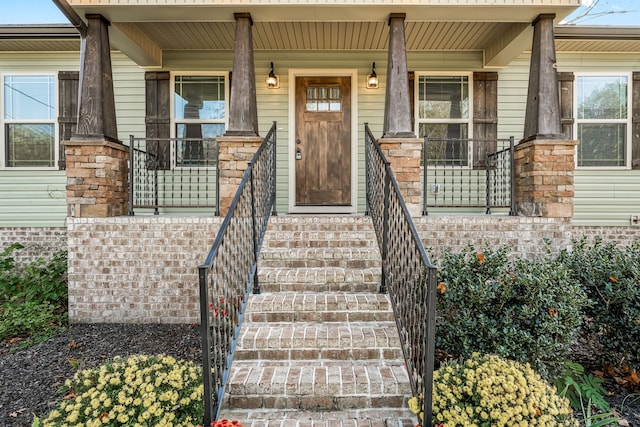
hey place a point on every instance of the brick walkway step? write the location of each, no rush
(331, 340)
(318, 307)
(347, 257)
(385, 417)
(320, 239)
(319, 279)
(317, 385)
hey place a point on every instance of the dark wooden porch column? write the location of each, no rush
(397, 104)
(243, 111)
(97, 163)
(542, 119)
(97, 110)
(399, 143)
(544, 159)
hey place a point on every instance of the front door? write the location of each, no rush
(323, 141)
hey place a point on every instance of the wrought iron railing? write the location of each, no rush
(468, 173)
(173, 173)
(407, 273)
(229, 272)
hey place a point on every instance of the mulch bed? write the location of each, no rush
(30, 379)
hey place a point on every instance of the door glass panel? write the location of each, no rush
(323, 99)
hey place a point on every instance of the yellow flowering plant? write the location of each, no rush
(134, 391)
(489, 391)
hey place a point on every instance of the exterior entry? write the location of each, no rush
(323, 141)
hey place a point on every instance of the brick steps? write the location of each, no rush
(318, 307)
(319, 279)
(383, 417)
(313, 341)
(319, 346)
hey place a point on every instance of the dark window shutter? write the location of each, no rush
(565, 83)
(67, 110)
(412, 98)
(158, 120)
(485, 116)
(635, 114)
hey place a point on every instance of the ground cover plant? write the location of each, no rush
(33, 297)
(489, 391)
(137, 390)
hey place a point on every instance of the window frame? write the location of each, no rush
(468, 121)
(628, 121)
(174, 122)
(53, 121)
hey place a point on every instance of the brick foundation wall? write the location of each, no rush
(38, 241)
(137, 269)
(144, 269)
(524, 235)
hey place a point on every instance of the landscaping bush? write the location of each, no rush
(33, 297)
(137, 390)
(488, 391)
(525, 310)
(610, 277)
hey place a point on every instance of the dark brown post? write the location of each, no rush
(544, 159)
(399, 143)
(243, 111)
(97, 163)
(97, 113)
(397, 105)
(542, 120)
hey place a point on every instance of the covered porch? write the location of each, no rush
(244, 43)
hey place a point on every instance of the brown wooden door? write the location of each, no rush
(323, 141)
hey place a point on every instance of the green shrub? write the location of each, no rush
(525, 310)
(611, 279)
(33, 297)
(488, 391)
(138, 390)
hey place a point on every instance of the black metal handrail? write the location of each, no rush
(458, 174)
(173, 173)
(229, 272)
(407, 273)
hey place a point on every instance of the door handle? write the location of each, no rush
(298, 154)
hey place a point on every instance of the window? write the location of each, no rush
(199, 112)
(28, 121)
(444, 117)
(602, 120)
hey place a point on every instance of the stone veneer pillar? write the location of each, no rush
(235, 153)
(544, 171)
(97, 178)
(404, 156)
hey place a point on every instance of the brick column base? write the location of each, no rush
(544, 172)
(97, 179)
(235, 153)
(404, 154)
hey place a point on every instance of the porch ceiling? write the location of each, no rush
(499, 28)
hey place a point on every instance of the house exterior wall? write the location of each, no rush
(605, 197)
(36, 197)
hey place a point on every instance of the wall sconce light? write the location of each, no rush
(273, 81)
(372, 80)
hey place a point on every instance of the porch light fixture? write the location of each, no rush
(273, 81)
(372, 80)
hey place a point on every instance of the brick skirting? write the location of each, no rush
(144, 269)
(137, 269)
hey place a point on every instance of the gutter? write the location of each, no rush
(72, 16)
(579, 32)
